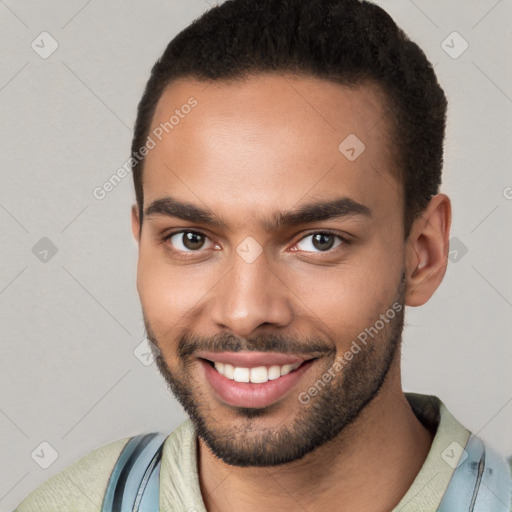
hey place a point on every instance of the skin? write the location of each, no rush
(249, 149)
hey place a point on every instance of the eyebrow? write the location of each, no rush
(338, 208)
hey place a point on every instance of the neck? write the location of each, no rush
(369, 466)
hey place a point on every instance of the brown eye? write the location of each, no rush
(320, 241)
(187, 241)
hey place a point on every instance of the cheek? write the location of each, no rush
(343, 301)
(169, 294)
(158, 287)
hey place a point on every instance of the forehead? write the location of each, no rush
(270, 142)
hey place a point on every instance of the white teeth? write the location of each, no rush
(274, 372)
(286, 368)
(241, 374)
(258, 374)
(229, 370)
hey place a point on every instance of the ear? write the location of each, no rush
(135, 223)
(427, 251)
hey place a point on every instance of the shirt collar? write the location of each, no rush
(179, 479)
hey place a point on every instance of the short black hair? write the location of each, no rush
(350, 42)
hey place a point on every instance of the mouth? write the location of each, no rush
(253, 380)
(257, 374)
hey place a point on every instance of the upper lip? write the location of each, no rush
(250, 359)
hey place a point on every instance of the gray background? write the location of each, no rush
(71, 320)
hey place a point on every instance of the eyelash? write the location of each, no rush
(190, 254)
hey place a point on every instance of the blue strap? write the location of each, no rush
(134, 482)
(480, 483)
(496, 487)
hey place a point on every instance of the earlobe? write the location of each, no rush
(427, 251)
(135, 223)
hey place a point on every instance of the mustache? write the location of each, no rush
(190, 344)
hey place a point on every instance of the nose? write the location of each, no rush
(249, 296)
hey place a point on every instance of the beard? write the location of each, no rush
(246, 442)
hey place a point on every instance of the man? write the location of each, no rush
(287, 160)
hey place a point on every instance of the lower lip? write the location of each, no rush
(250, 394)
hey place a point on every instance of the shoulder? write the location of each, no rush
(81, 486)
(509, 460)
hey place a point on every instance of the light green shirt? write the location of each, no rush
(81, 486)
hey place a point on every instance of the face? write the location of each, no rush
(270, 249)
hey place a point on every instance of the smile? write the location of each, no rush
(249, 379)
(258, 375)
